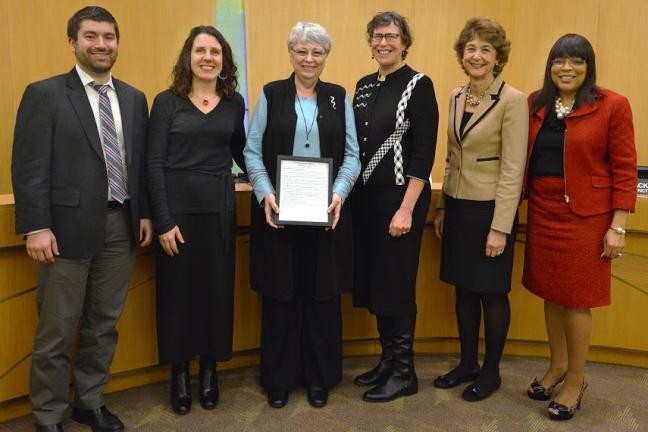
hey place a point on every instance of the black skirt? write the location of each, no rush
(463, 261)
(195, 289)
(385, 266)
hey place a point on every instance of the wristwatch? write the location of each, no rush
(618, 230)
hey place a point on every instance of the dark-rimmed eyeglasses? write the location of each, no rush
(389, 37)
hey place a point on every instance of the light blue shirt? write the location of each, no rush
(349, 170)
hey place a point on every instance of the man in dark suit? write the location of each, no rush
(80, 200)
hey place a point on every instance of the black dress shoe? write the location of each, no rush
(277, 398)
(455, 377)
(317, 396)
(180, 388)
(99, 419)
(208, 382)
(477, 391)
(58, 427)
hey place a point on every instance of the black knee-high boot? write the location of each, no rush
(402, 381)
(180, 388)
(208, 382)
(384, 367)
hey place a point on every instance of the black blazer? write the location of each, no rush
(58, 169)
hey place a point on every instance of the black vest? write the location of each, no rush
(272, 253)
(279, 135)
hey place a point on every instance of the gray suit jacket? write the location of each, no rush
(487, 161)
(58, 169)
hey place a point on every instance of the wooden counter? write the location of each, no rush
(618, 334)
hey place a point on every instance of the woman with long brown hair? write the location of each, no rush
(195, 131)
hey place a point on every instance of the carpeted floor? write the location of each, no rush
(616, 400)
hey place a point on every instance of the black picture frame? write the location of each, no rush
(329, 162)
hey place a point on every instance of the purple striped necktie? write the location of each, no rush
(112, 152)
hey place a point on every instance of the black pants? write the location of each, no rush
(301, 342)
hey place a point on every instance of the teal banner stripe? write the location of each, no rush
(230, 21)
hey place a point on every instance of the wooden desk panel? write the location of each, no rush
(614, 337)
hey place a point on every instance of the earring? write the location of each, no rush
(404, 54)
(372, 57)
(222, 77)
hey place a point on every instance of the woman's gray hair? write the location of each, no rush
(305, 32)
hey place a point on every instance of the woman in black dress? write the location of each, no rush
(396, 118)
(477, 209)
(196, 128)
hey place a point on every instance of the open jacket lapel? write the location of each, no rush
(459, 106)
(491, 98)
(79, 100)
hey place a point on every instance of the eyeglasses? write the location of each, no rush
(574, 61)
(302, 53)
(389, 37)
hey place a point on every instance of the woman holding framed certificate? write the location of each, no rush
(301, 270)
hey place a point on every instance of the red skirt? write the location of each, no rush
(562, 259)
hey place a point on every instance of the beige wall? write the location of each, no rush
(32, 38)
(616, 30)
(34, 45)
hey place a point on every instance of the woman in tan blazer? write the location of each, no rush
(477, 211)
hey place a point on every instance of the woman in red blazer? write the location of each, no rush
(581, 182)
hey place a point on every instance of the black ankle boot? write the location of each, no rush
(384, 368)
(208, 382)
(402, 381)
(180, 388)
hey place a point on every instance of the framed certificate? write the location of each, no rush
(304, 190)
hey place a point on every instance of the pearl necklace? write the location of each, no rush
(474, 100)
(561, 110)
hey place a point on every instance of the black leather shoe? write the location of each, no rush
(277, 398)
(476, 392)
(58, 427)
(180, 388)
(208, 382)
(99, 419)
(455, 377)
(317, 396)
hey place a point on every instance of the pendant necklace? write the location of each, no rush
(204, 101)
(308, 130)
